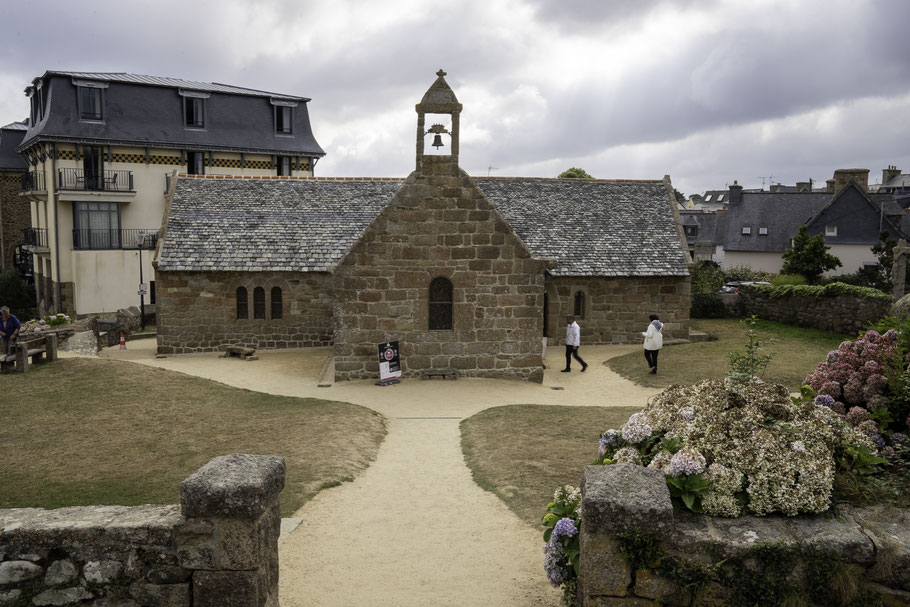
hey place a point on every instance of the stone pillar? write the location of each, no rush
(50, 347)
(230, 534)
(616, 499)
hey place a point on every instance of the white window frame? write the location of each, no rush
(830, 230)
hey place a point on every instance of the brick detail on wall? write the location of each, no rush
(616, 309)
(440, 224)
(197, 311)
(15, 216)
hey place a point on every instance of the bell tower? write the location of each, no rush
(443, 109)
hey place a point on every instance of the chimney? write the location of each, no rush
(829, 186)
(774, 187)
(803, 186)
(890, 173)
(842, 177)
(736, 193)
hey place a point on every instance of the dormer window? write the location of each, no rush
(193, 108)
(691, 231)
(91, 106)
(284, 116)
(762, 231)
(747, 230)
(830, 230)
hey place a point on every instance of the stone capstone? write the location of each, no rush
(13, 572)
(620, 497)
(237, 485)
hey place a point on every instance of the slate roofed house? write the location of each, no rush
(760, 226)
(15, 215)
(704, 231)
(896, 183)
(467, 274)
(100, 148)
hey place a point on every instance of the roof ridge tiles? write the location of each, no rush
(573, 179)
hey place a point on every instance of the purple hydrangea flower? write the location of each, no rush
(857, 415)
(877, 440)
(686, 461)
(824, 400)
(607, 440)
(898, 438)
(687, 413)
(554, 563)
(636, 429)
(565, 527)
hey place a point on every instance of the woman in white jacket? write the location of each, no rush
(654, 341)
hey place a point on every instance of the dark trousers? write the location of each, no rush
(570, 352)
(651, 357)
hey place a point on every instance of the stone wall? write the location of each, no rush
(871, 546)
(845, 314)
(616, 309)
(15, 216)
(219, 548)
(197, 311)
(440, 224)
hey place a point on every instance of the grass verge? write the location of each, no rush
(522, 453)
(795, 351)
(85, 431)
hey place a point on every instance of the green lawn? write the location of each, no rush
(523, 452)
(795, 353)
(85, 431)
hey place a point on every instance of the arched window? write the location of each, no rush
(440, 307)
(276, 302)
(242, 309)
(259, 303)
(579, 304)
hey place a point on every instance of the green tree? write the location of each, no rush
(18, 295)
(809, 257)
(575, 173)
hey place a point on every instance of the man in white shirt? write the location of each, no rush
(573, 340)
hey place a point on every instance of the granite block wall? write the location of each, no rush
(845, 314)
(15, 216)
(197, 311)
(440, 224)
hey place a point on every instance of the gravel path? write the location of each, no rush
(413, 529)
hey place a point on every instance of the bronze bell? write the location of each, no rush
(437, 141)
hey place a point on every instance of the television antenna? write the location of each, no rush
(490, 169)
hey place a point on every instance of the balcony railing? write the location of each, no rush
(89, 239)
(105, 181)
(36, 237)
(33, 181)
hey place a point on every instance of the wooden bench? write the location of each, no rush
(443, 373)
(35, 349)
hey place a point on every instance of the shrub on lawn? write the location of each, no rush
(707, 305)
(745, 274)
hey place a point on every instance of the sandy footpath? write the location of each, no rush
(413, 529)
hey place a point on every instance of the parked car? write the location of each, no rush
(733, 287)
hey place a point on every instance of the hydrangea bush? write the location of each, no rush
(731, 448)
(562, 521)
(866, 383)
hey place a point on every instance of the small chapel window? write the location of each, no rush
(276, 302)
(242, 309)
(579, 304)
(440, 304)
(259, 303)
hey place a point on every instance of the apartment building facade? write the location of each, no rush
(100, 150)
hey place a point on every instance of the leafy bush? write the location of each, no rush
(808, 256)
(729, 449)
(707, 277)
(707, 305)
(750, 363)
(17, 294)
(745, 274)
(835, 289)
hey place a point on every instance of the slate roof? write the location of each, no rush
(592, 227)
(10, 138)
(781, 212)
(274, 225)
(148, 111)
(710, 226)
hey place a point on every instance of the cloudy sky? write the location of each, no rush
(707, 91)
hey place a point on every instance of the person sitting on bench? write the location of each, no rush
(9, 331)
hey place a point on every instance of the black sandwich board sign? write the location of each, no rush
(389, 364)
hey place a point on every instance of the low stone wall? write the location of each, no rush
(218, 548)
(845, 314)
(699, 555)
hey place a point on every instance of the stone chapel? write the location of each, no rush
(466, 273)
